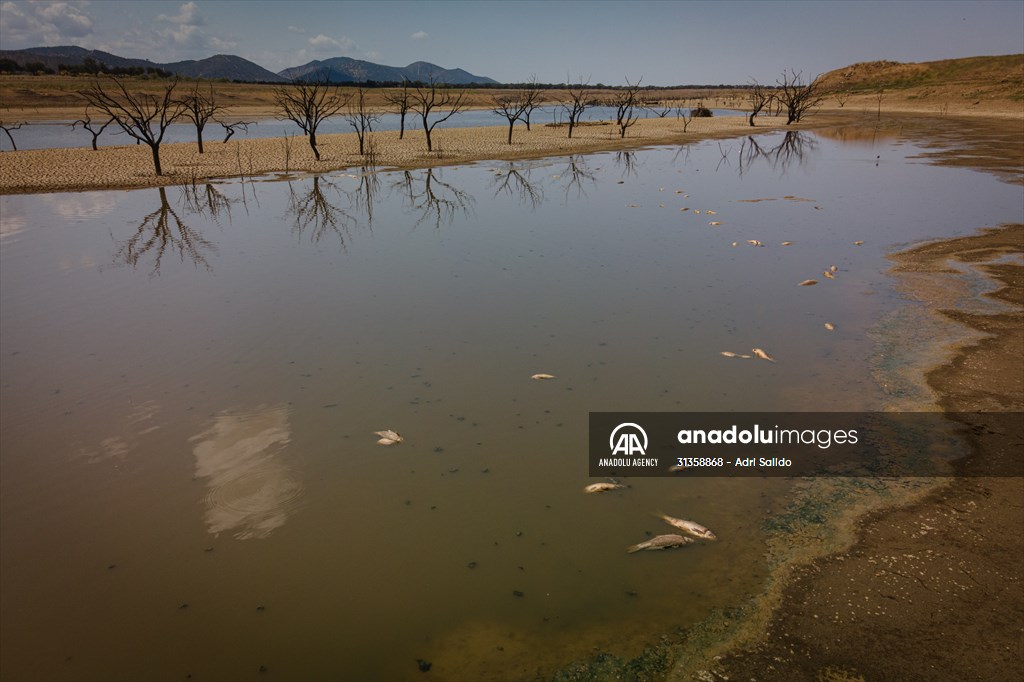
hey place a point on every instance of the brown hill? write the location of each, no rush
(997, 75)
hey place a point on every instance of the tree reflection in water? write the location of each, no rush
(314, 210)
(795, 147)
(574, 176)
(160, 232)
(627, 162)
(515, 182)
(206, 200)
(431, 197)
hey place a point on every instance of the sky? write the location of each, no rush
(668, 42)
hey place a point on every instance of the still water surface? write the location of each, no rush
(191, 380)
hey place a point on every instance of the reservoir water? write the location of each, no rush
(190, 483)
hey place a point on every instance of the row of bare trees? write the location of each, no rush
(146, 116)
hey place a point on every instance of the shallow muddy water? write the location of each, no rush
(192, 379)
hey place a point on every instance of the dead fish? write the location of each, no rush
(542, 376)
(661, 205)
(833, 268)
(858, 243)
(735, 243)
(697, 212)
(602, 487)
(660, 542)
(829, 326)
(744, 357)
(828, 273)
(684, 209)
(679, 191)
(633, 206)
(808, 283)
(661, 189)
(754, 242)
(710, 212)
(388, 437)
(761, 354)
(715, 223)
(787, 243)
(691, 527)
(729, 355)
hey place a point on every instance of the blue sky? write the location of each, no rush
(666, 42)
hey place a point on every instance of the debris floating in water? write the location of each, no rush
(388, 437)
(542, 376)
(808, 283)
(602, 487)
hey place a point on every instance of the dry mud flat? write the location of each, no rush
(50, 170)
(932, 591)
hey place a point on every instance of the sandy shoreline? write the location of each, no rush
(49, 170)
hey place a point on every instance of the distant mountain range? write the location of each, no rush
(235, 68)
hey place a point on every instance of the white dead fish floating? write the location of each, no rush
(761, 354)
(828, 273)
(691, 527)
(787, 243)
(858, 243)
(833, 268)
(660, 542)
(388, 437)
(715, 223)
(684, 209)
(602, 487)
(541, 376)
(829, 326)
(735, 243)
(808, 283)
(754, 242)
(710, 212)
(729, 354)
(697, 212)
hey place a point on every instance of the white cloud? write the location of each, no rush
(188, 15)
(322, 42)
(42, 23)
(419, 35)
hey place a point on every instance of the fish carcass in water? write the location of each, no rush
(602, 487)
(691, 527)
(660, 542)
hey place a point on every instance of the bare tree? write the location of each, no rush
(400, 100)
(360, 118)
(432, 96)
(199, 107)
(512, 108)
(841, 98)
(577, 104)
(308, 105)
(140, 115)
(759, 98)
(7, 129)
(796, 96)
(684, 117)
(625, 106)
(88, 124)
(229, 128)
(532, 98)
